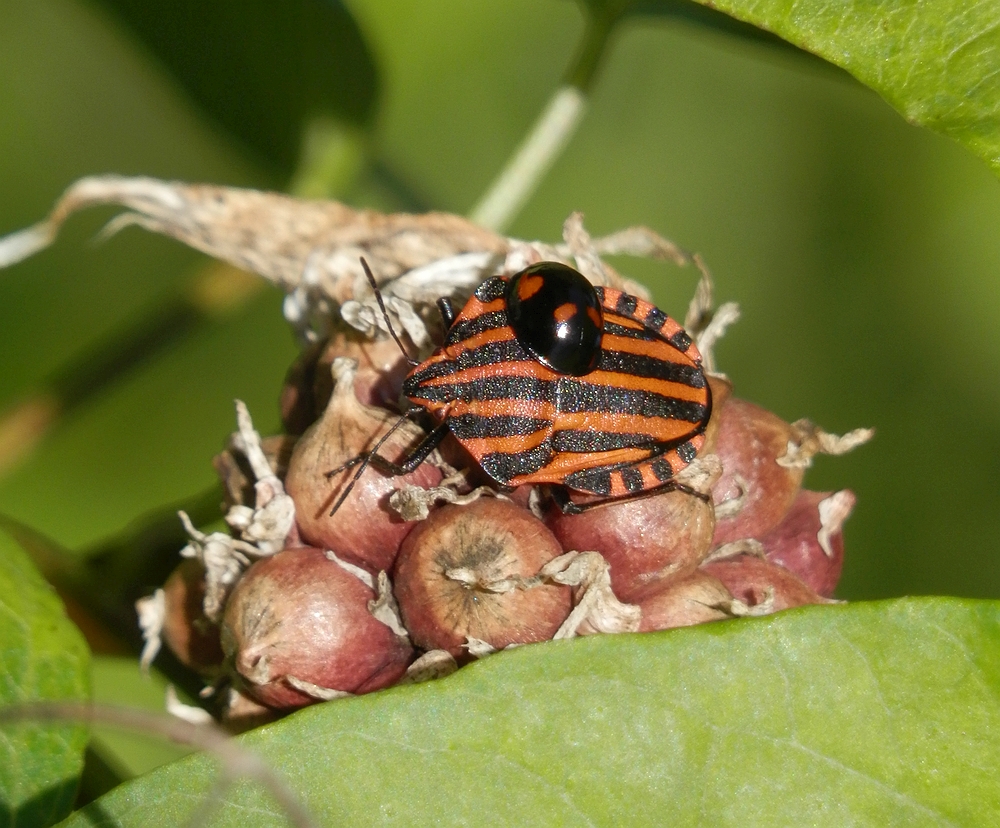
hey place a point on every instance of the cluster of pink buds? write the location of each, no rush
(312, 594)
(411, 576)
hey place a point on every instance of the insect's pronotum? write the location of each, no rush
(544, 378)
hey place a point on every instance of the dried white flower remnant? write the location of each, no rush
(313, 249)
(151, 611)
(812, 440)
(269, 523)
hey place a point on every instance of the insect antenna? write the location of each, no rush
(362, 461)
(385, 314)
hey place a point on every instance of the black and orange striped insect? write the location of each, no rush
(544, 378)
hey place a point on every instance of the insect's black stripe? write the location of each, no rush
(412, 384)
(623, 330)
(631, 478)
(641, 365)
(492, 289)
(578, 397)
(686, 452)
(625, 305)
(655, 319)
(681, 341)
(465, 328)
(596, 480)
(505, 466)
(492, 353)
(569, 395)
(469, 426)
(662, 469)
(583, 441)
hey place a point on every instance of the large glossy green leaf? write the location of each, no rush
(864, 714)
(261, 68)
(937, 63)
(42, 657)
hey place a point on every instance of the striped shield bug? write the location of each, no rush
(544, 378)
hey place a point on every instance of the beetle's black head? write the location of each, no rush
(556, 316)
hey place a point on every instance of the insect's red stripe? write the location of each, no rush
(657, 428)
(564, 464)
(528, 368)
(654, 348)
(624, 321)
(525, 369)
(504, 406)
(617, 379)
(504, 334)
(649, 478)
(474, 307)
(583, 434)
(504, 445)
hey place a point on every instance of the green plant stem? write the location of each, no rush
(551, 132)
(534, 157)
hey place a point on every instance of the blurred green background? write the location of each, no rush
(863, 251)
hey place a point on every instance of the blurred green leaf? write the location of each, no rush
(261, 69)
(42, 657)
(936, 63)
(864, 714)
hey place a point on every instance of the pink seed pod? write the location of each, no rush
(643, 540)
(364, 529)
(722, 390)
(298, 628)
(764, 587)
(810, 540)
(683, 602)
(382, 367)
(460, 574)
(187, 631)
(750, 441)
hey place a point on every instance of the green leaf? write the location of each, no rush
(937, 63)
(42, 657)
(261, 68)
(863, 714)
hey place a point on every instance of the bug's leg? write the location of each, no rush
(420, 452)
(561, 498)
(569, 507)
(350, 464)
(680, 487)
(417, 455)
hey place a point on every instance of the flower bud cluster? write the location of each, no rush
(343, 574)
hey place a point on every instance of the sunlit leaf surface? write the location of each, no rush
(937, 63)
(864, 714)
(42, 657)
